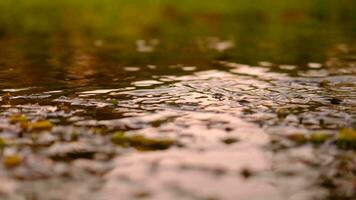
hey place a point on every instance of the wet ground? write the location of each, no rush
(212, 103)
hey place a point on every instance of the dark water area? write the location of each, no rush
(177, 100)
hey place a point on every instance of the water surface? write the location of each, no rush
(234, 85)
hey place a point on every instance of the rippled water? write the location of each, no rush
(229, 100)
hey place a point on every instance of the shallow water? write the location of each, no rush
(230, 86)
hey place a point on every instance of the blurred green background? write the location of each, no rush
(41, 36)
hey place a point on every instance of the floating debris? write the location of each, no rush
(70, 151)
(229, 140)
(335, 101)
(246, 173)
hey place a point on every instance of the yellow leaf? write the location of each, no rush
(40, 125)
(12, 160)
(18, 118)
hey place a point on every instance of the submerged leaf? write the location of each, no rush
(298, 138)
(2, 143)
(282, 113)
(18, 119)
(12, 160)
(347, 138)
(315, 138)
(40, 125)
(114, 102)
(140, 142)
(319, 138)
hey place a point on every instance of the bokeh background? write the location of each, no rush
(43, 41)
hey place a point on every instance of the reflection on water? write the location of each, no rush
(227, 83)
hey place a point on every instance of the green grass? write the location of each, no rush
(125, 15)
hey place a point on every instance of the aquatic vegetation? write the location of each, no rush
(140, 142)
